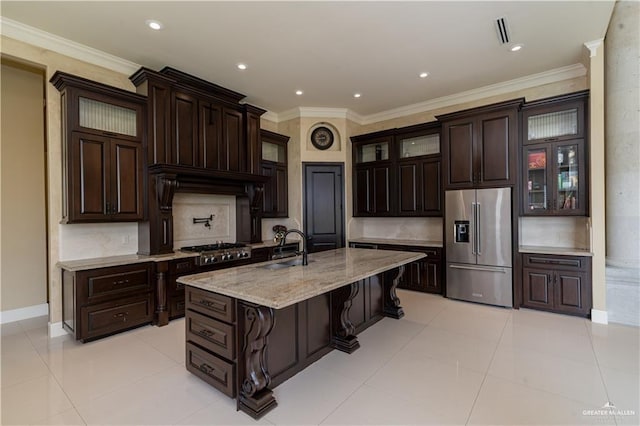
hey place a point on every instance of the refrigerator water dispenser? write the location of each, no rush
(461, 231)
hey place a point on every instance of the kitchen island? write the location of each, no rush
(250, 328)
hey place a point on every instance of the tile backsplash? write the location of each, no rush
(424, 228)
(563, 232)
(86, 241)
(186, 207)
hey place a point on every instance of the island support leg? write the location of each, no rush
(392, 306)
(255, 398)
(344, 332)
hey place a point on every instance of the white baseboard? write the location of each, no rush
(599, 317)
(24, 313)
(56, 330)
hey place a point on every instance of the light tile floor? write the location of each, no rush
(445, 362)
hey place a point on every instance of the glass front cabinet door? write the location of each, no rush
(554, 156)
(555, 179)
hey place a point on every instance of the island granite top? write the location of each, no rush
(279, 288)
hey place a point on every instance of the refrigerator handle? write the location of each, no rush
(473, 223)
(478, 230)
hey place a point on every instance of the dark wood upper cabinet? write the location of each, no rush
(103, 151)
(479, 146)
(554, 156)
(397, 172)
(184, 125)
(373, 174)
(273, 155)
(196, 123)
(418, 165)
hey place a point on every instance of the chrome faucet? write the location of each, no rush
(304, 252)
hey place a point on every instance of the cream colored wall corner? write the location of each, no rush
(24, 269)
(597, 179)
(52, 62)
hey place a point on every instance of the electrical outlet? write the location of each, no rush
(125, 239)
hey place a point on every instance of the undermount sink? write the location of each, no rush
(286, 264)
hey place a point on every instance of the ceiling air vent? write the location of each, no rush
(503, 30)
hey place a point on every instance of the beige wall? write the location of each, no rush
(53, 62)
(23, 223)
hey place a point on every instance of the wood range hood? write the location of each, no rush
(200, 139)
(166, 180)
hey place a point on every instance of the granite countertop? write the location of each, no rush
(564, 251)
(279, 288)
(418, 243)
(127, 259)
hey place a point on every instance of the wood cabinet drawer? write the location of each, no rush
(182, 266)
(108, 283)
(217, 372)
(107, 318)
(545, 261)
(212, 335)
(211, 304)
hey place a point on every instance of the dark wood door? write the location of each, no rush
(571, 294)
(90, 188)
(419, 190)
(381, 190)
(431, 272)
(362, 191)
(537, 288)
(458, 150)
(232, 136)
(323, 206)
(184, 147)
(431, 187)
(126, 196)
(496, 149)
(210, 134)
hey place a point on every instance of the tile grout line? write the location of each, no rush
(486, 373)
(370, 376)
(595, 356)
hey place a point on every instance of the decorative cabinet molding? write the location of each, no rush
(103, 151)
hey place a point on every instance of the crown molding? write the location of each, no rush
(534, 80)
(45, 40)
(593, 46)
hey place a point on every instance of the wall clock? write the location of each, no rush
(322, 137)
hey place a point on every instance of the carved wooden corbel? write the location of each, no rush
(166, 186)
(392, 306)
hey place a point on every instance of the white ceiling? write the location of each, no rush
(331, 50)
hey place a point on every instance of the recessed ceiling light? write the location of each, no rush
(424, 74)
(154, 25)
(299, 92)
(356, 95)
(516, 47)
(242, 66)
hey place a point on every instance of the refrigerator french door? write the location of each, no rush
(478, 243)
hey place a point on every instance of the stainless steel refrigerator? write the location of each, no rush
(478, 243)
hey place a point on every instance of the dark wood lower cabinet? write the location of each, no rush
(557, 283)
(103, 301)
(245, 350)
(422, 275)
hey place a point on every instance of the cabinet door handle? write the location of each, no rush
(122, 315)
(121, 282)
